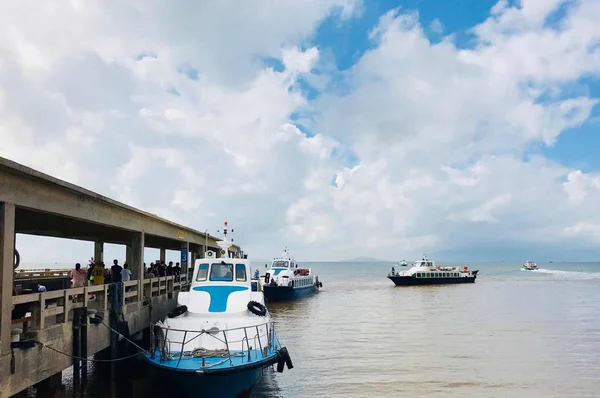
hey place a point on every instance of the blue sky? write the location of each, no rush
(348, 40)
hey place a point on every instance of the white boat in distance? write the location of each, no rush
(530, 265)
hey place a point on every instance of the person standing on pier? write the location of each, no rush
(115, 271)
(98, 273)
(176, 271)
(78, 276)
(162, 269)
(126, 273)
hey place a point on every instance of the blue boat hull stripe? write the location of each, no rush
(219, 295)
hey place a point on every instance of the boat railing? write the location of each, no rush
(163, 341)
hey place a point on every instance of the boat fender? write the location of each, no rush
(17, 259)
(257, 308)
(182, 309)
(284, 358)
(280, 365)
(320, 284)
(267, 278)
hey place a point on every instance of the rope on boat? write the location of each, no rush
(219, 353)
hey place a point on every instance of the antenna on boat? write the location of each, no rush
(225, 244)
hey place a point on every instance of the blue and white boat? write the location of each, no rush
(220, 339)
(285, 281)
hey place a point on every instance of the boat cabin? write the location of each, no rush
(283, 263)
(220, 285)
(424, 262)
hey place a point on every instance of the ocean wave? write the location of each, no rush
(576, 275)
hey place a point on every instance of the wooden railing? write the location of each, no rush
(58, 303)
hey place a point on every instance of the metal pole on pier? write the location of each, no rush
(113, 319)
(76, 347)
(84, 346)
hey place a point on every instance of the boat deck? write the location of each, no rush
(238, 359)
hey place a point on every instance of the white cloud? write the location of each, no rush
(299, 61)
(436, 26)
(174, 112)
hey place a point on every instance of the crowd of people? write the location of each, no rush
(98, 274)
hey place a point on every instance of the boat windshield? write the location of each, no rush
(202, 273)
(240, 272)
(280, 263)
(222, 272)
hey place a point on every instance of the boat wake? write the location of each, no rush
(573, 275)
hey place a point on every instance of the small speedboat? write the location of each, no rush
(221, 337)
(286, 281)
(425, 272)
(403, 263)
(530, 265)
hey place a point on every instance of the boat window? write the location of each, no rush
(240, 272)
(202, 273)
(280, 264)
(221, 272)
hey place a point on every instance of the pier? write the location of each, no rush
(37, 204)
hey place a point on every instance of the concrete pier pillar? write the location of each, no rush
(99, 251)
(163, 254)
(7, 253)
(193, 257)
(135, 260)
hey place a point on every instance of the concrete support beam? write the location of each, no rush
(99, 251)
(163, 254)
(7, 253)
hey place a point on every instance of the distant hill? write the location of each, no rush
(363, 260)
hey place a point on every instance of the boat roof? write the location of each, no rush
(284, 258)
(424, 262)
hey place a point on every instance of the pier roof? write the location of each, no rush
(48, 206)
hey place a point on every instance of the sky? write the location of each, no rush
(466, 129)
